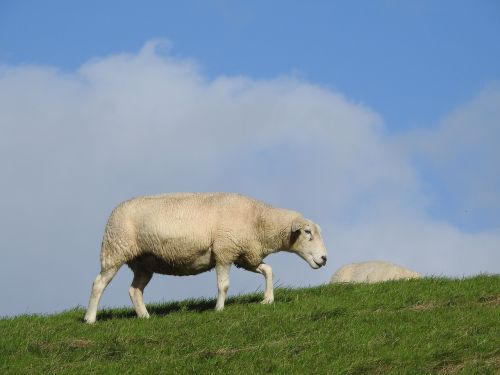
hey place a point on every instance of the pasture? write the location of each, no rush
(432, 325)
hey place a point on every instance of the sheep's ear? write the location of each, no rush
(296, 225)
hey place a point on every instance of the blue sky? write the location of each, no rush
(412, 61)
(378, 119)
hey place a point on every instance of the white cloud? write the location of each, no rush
(74, 144)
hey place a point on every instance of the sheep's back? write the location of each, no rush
(371, 272)
(184, 220)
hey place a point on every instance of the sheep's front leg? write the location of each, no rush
(267, 271)
(222, 271)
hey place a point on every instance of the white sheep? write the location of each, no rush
(372, 272)
(189, 233)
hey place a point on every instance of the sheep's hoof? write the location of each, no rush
(89, 321)
(267, 300)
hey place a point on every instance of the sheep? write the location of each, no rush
(372, 272)
(189, 233)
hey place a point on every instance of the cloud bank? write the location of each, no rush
(74, 144)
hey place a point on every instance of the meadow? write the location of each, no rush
(431, 325)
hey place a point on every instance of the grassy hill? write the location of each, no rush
(432, 325)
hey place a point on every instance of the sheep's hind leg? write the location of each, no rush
(222, 284)
(136, 290)
(100, 283)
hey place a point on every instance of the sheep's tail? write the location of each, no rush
(119, 243)
(116, 249)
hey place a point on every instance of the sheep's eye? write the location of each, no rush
(307, 231)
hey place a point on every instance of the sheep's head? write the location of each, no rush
(306, 241)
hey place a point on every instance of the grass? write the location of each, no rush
(432, 325)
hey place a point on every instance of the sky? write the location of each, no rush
(379, 120)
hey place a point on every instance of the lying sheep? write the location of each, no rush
(372, 272)
(186, 234)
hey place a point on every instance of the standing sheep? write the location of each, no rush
(189, 233)
(372, 272)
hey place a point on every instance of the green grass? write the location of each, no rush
(433, 325)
